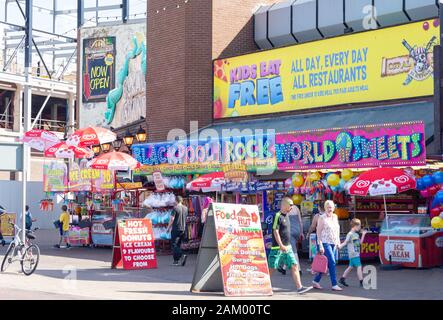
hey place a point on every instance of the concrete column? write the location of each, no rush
(17, 108)
(71, 114)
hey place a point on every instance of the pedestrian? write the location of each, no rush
(353, 244)
(64, 227)
(313, 227)
(317, 214)
(328, 240)
(281, 251)
(177, 227)
(296, 234)
(2, 212)
(28, 219)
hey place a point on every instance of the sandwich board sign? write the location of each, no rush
(232, 256)
(134, 246)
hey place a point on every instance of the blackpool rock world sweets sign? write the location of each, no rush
(386, 145)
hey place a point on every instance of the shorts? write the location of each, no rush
(277, 257)
(64, 233)
(355, 262)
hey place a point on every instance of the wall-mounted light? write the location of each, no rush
(117, 143)
(96, 149)
(141, 135)
(128, 139)
(106, 147)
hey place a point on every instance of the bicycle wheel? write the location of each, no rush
(7, 260)
(30, 259)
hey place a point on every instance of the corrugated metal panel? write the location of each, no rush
(328, 17)
(261, 28)
(331, 17)
(421, 9)
(304, 20)
(390, 12)
(355, 13)
(279, 24)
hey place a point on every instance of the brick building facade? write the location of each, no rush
(182, 40)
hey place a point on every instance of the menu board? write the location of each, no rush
(134, 246)
(241, 250)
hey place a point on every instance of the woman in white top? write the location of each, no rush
(328, 239)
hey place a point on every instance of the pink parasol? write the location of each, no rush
(114, 161)
(62, 150)
(40, 139)
(91, 136)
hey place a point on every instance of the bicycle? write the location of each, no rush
(27, 253)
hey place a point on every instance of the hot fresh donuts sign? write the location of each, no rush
(388, 145)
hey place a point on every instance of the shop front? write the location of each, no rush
(95, 198)
(340, 107)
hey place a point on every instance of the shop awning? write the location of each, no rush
(423, 111)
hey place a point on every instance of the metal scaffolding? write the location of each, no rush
(54, 43)
(28, 36)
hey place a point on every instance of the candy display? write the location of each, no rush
(117, 205)
(160, 216)
(158, 200)
(174, 182)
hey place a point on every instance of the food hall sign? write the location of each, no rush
(387, 145)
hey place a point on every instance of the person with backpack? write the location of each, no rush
(328, 241)
(29, 219)
(177, 227)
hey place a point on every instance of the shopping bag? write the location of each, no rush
(320, 264)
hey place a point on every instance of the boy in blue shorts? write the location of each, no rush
(353, 242)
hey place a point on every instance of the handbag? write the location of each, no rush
(320, 264)
(57, 224)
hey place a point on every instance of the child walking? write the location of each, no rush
(353, 242)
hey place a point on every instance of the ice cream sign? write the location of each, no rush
(389, 145)
(400, 250)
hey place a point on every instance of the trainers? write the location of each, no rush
(281, 270)
(343, 282)
(337, 288)
(184, 260)
(175, 264)
(57, 246)
(303, 290)
(316, 285)
(3, 242)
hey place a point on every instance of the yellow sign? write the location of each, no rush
(7, 221)
(130, 185)
(379, 65)
(235, 172)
